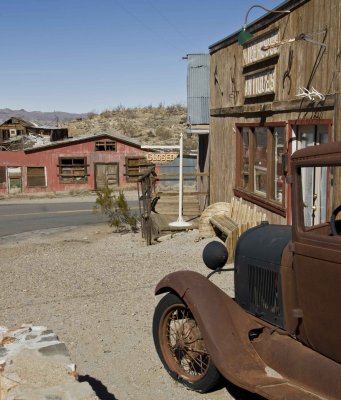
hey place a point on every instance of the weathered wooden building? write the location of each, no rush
(14, 131)
(275, 93)
(83, 163)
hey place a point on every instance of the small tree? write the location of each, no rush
(116, 208)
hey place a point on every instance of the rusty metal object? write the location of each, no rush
(225, 328)
(266, 362)
(182, 343)
(280, 336)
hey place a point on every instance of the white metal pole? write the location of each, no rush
(180, 177)
(180, 221)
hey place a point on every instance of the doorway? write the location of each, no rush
(14, 180)
(106, 175)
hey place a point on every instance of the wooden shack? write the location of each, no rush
(278, 92)
(89, 162)
(15, 131)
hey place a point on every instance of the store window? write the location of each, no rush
(72, 169)
(260, 172)
(36, 177)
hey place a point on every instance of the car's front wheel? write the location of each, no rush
(180, 345)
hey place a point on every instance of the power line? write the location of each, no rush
(155, 33)
(170, 22)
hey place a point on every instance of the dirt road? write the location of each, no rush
(95, 290)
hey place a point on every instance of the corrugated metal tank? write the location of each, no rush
(198, 91)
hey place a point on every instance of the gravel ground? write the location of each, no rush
(95, 290)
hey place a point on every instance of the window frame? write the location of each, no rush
(249, 193)
(293, 124)
(40, 176)
(107, 144)
(139, 168)
(73, 178)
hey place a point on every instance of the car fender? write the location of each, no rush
(225, 327)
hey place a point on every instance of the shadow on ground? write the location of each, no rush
(240, 394)
(98, 387)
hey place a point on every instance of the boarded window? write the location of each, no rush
(5, 134)
(136, 167)
(105, 145)
(2, 177)
(72, 169)
(36, 177)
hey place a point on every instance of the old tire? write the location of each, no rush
(180, 345)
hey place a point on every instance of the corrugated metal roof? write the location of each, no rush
(198, 89)
(67, 142)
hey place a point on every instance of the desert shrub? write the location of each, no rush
(190, 144)
(175, 109)
(92, 115)
(106, 114)
(120, 107)
(151, 134)
(116, 208)
(163, 133)
(126, 126)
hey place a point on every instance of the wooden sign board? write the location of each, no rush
(160, 158)
(253, 52)
(260, 83)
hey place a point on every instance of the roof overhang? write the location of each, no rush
(259, 24)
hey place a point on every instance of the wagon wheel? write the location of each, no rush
(180, 345)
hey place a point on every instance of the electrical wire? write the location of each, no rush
(170, 22)
(156, 34)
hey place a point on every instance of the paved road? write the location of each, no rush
(38, 215)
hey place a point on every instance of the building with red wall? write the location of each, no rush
(81, 163)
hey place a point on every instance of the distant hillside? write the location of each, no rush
(42, 118)
(148, 125)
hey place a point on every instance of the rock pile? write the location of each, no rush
(34, 364)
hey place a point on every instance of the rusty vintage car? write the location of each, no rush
(280, 336)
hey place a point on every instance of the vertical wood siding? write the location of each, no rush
(299, 64)
(49, 157)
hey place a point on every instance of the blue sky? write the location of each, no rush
(93, 55)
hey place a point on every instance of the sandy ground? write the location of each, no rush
(95, 290)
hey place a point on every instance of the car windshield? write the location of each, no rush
(320, 192)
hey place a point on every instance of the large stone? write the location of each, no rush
(34, 364)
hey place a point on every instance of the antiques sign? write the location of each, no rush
(253, 52)
(260, 83)
(160, 158)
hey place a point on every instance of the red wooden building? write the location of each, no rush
(81, 163)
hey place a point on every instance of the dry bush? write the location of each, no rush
(156, 125)
(106, 114)
(163, 133)
(126, 126)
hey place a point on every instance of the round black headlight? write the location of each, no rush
(215, 255)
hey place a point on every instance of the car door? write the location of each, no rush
(317, 267)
